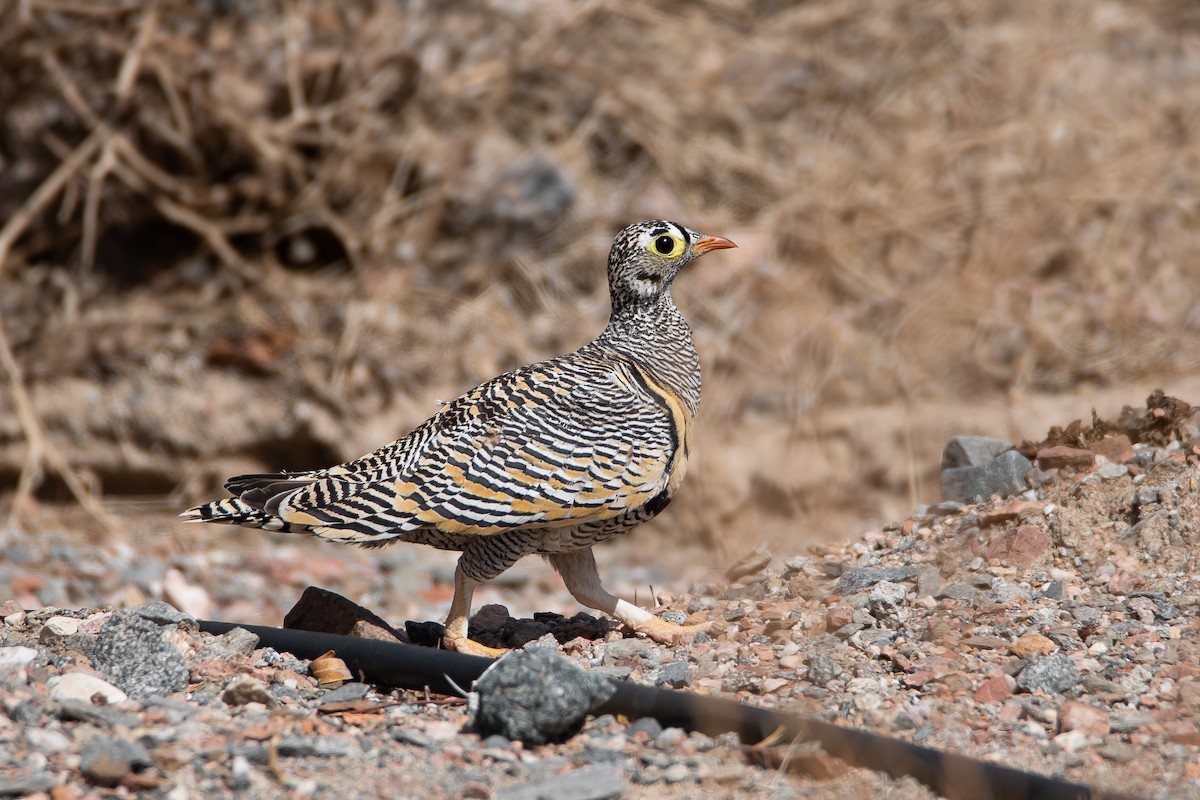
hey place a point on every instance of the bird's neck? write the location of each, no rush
(659, 339)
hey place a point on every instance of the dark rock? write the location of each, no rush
(426, 634)
(822, 669)
(323, 611)
(972, 451)
(131, 650)
(520, 632)
(593, 782)
(537, 696)
(1003, 475)
(1052, 674)
(861, 577)
(674, 674)
(1055, 590)
(106, 761)
(345, 693)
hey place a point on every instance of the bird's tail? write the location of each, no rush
(234, 511)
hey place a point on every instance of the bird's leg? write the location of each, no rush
(578, 570)
(455, 635)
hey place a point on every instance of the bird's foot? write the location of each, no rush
(670, 633)
(470, 647)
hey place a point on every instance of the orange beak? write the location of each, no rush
(706, 243)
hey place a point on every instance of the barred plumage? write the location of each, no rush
(551, 458)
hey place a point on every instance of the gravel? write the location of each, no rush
(1048, 632)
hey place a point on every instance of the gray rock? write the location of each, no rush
(1003, 475)
(106, 760)
(675, 615)
(674, 674)
(131, 650)
(239, 773)
(27, 785)
(677, 773)
(593, 782)
(1111, 471)
(161, 613)
(626, 648)
(963, 592)
(100, 716)
(297, 747)
(929, 580)
(232, 643)
(537, 697)
(972, 451)
(1052, 674)
(888, 604)
(861, 577)
(345, 693)
(243, 689)
(822, 669)
(616, 673)
(413, 737)
(649, 725)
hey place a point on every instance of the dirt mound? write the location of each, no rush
(239, 236)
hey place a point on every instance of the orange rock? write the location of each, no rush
(1032, 644)
(1019, 547)
(1076, 716)
(1115, 449)
(1063, 456)
(994, 688)
(837, 616)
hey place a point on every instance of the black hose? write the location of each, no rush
(955, 776)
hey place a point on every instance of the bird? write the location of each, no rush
(549, 459)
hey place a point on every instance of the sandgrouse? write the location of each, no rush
(551, 458)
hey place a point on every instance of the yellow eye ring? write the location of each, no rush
(667, 246)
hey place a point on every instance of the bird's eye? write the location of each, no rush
(667, 246)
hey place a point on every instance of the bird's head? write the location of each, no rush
(645, 258)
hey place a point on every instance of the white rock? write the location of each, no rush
(16, 658)
(64, 626)
(81, 686)
(1072, 741)
(47, 742)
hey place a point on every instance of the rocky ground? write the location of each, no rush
(1057, 630)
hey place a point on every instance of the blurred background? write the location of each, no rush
(263, 236)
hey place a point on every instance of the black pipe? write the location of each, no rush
(955, 776)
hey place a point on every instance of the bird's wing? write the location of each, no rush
(552, 444)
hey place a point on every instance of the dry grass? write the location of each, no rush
(332, 213)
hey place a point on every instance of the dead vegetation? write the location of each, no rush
(270, 235)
